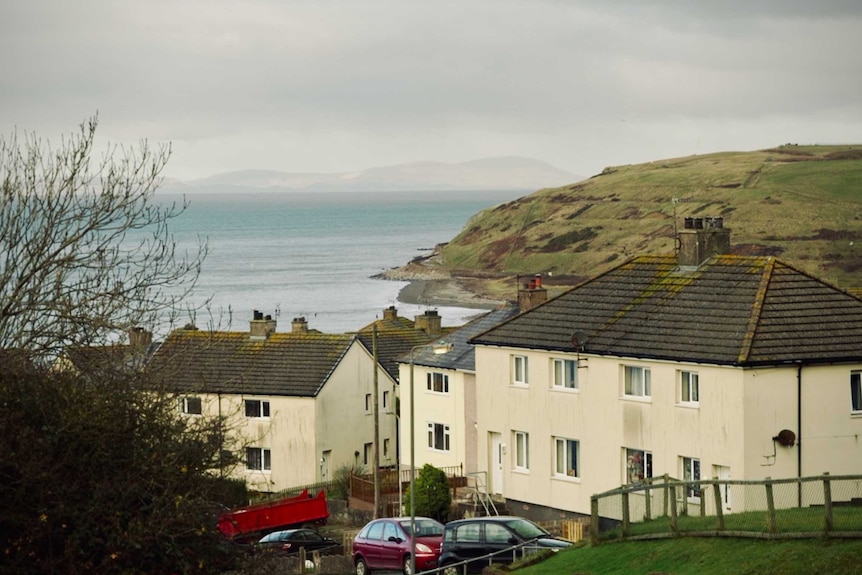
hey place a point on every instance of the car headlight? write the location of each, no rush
(422, 548)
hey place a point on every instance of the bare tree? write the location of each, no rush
(84, 253)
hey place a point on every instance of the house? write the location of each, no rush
(445, 397)
(117, 359)
(697, 365)
(299, 402)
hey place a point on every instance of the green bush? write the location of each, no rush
(433, 498)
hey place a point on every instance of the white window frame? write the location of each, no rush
(636, 382)
(439, 434)
(367, 403)
(263, 458)
(856, 392)
(437, 382)
(637, 465)
(565, 451)
(263, 408)
(385, 399)
(520, 370)
(521, 453)
(185, 405)
(691, 472)
(689, 387)
(560, 370)
(367, 454)
(386, 448)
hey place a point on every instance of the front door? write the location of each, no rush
(324, 466)
(497, 451)
(723, 473)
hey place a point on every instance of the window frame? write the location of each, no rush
(264, 459)
(521, 452)
(440, 431)
(263, 408)
(431, 382)
(691, 471)
(385, 399)
(563, 469)
(559, 372)
(185, 407)
(689, 381)
(645, 383)
(856, 392)
(520, 370)
(631, 463)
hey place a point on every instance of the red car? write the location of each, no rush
(386, 544)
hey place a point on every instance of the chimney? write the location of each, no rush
(140, 338)
(701, 238)
(532, 293)
(430, 322)
(299, 325)
(390, 313)
(260, 328)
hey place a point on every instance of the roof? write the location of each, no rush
(289, 364)
(463, 354)
(730, 310)
(395, 337)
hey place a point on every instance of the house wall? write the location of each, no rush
(344, 426)
(442, 408)
(729, 430)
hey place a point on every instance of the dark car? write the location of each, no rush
(291, 541)
(504, 538)
(386, 544)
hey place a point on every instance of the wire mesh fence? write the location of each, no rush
(779, 508)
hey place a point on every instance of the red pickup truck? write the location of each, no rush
(247, 523)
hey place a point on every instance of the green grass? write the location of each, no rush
(706, 556)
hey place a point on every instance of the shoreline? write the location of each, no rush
(443, 292)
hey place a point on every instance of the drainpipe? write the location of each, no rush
(799, 431)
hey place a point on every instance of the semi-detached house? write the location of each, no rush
(696, 365)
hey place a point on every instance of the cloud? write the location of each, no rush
(328, 85)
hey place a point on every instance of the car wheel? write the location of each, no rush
(362, 567)
(450, 570)
(407, 566)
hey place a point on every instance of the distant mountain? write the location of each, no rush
(503, 173)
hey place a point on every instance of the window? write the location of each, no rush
(566, 457)
(438, 436)
(496, 533)
(522, 450)
(366, 453)
(385, 399)
(637, 381)
(691, 472)
(565, 373)
(856, 391)
(256, 408)
(367, 403)
(258, 459)
(438, 382)
(688, 387)
(638, 465)
(386, 448)
(191, 405)
(519, 370)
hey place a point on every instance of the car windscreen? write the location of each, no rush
(424, 528)
(526, 529)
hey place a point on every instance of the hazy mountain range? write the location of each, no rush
(501, 173)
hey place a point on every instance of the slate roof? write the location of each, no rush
(731, 310)
(395, 337)
(463, 354)
(287, 364)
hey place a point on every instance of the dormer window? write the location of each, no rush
(256, 408)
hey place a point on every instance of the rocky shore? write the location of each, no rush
(435, 286)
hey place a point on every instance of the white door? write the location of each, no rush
(723, 473)
(324, 466)
(497, 451)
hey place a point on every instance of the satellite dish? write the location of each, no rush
(579, 340)
(786, 438)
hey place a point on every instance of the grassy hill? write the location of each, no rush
(800, 203)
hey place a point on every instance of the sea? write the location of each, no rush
(315, 255)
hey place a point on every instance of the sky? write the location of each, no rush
(330, 86)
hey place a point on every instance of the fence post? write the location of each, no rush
(770, 506)
(647, 499)
(666, 492)
(302, 560)
(674, 525)
(719, 507)
(594, 519)
(827, 503)
(626, 518)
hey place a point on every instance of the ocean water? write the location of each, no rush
(291, 254)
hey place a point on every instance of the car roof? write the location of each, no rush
(488, 519)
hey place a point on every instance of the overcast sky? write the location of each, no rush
(336, 86)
